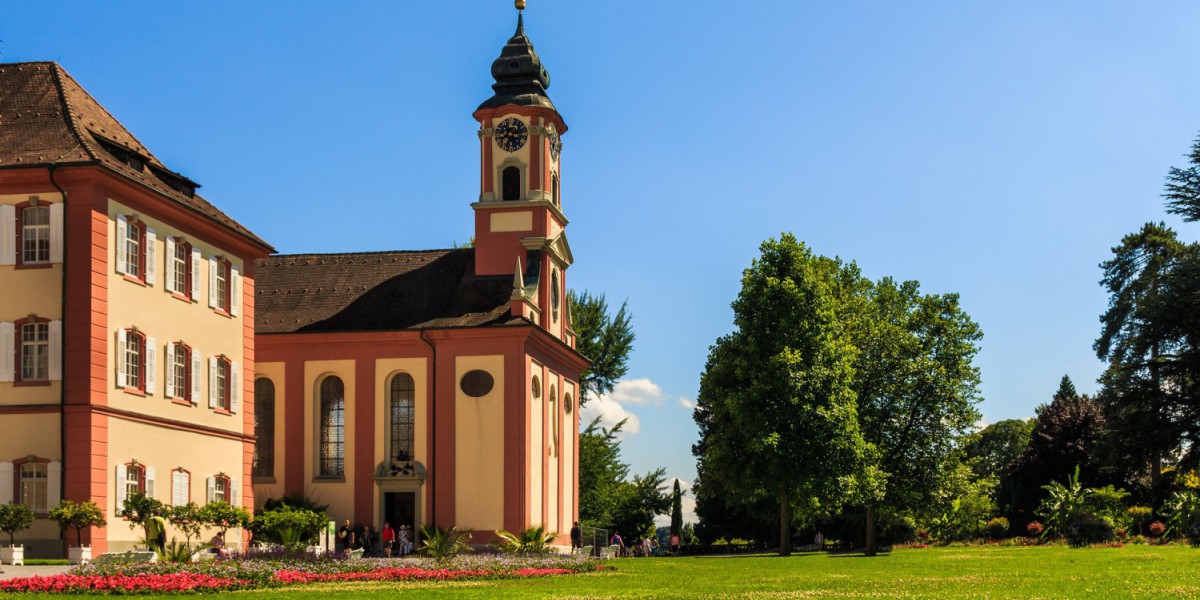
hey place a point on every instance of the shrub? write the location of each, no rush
(903, 531)
(1183, 513)
(535, 540)
(139, 508)
(1108, 502)
(14, 518)
(1139, 516)
(444, 544)
(223, 516)
(1157, 529)
(292, 528)
(997, 528)
(1090, 529)
(186, 518)
(175, 552)
(78, 516)
(1034, 529)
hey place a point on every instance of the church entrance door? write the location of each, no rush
(400, 508)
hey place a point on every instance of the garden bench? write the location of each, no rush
(584, 551)
(610, 551)
(356, 554)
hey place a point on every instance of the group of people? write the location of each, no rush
(387, 542)
(645, 546)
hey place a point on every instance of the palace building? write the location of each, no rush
(158, 346)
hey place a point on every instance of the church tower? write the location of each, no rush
(519, 220)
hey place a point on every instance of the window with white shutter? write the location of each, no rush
(55, 350)
(194, 375)
(235, 386)
(235, 291)
(212, 382)
(8, 234)
(7, 340)
(151, 258)
(119, 246)
(149, 483)
(6, 482)
(212, 282)
(53, 483)
(56, 232)
(196, 260)
(151, 350)
(181, 487)
(119, 352)
(170, 266)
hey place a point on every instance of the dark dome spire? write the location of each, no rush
(520, 77)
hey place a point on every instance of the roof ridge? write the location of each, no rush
(366, 252)
(141, 147)
(56, 72)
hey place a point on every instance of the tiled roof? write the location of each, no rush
(47, 118)
(377, 291)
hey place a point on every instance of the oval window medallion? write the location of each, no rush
(477, 383)
(567, 403)
(537, 387)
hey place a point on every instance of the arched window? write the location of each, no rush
(511, 184)
(333, 428)
(553, 400)
(554, 189)
(264, 428)
(402, 417)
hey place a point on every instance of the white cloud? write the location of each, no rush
(687, 403)
(639, 391)
(687, 503)
(610, 413)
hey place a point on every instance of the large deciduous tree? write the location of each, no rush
(992, 452)
(916, 387)
(776, 409)
(604, 339)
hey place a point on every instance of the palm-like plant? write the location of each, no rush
(1063, 504)
(444, 544)
(1182, 510)
(535, 540)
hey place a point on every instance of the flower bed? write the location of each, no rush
(248, 573)
(129, 584)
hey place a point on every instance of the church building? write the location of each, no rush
(153, 344)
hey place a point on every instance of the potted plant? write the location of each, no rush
(14, 518)
(79, 517)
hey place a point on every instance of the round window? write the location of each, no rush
(537, 387)
(477, 384)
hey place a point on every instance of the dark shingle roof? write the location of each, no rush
(47, 118)
(377, 291)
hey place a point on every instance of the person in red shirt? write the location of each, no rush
(389, 539)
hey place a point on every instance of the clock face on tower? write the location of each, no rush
(511, 134)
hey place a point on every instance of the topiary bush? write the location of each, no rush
(1090, 529)
(997, 528)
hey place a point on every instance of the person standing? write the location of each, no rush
(674, 543)
(389, 539)
(156, 533)
(576, 537)
(345, 538)
(618, 542)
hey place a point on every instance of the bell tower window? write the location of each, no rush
(510, 184)
(554, 189)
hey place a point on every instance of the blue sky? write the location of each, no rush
(995, 150)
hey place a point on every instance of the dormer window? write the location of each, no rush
(510, 181)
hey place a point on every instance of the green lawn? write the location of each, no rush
(975, 572)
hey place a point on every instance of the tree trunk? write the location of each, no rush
(871, 549)
(785, 524)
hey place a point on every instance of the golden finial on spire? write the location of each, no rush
(520, 4)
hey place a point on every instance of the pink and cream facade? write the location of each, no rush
(150, 343)
(127, 319)
(438, 386)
